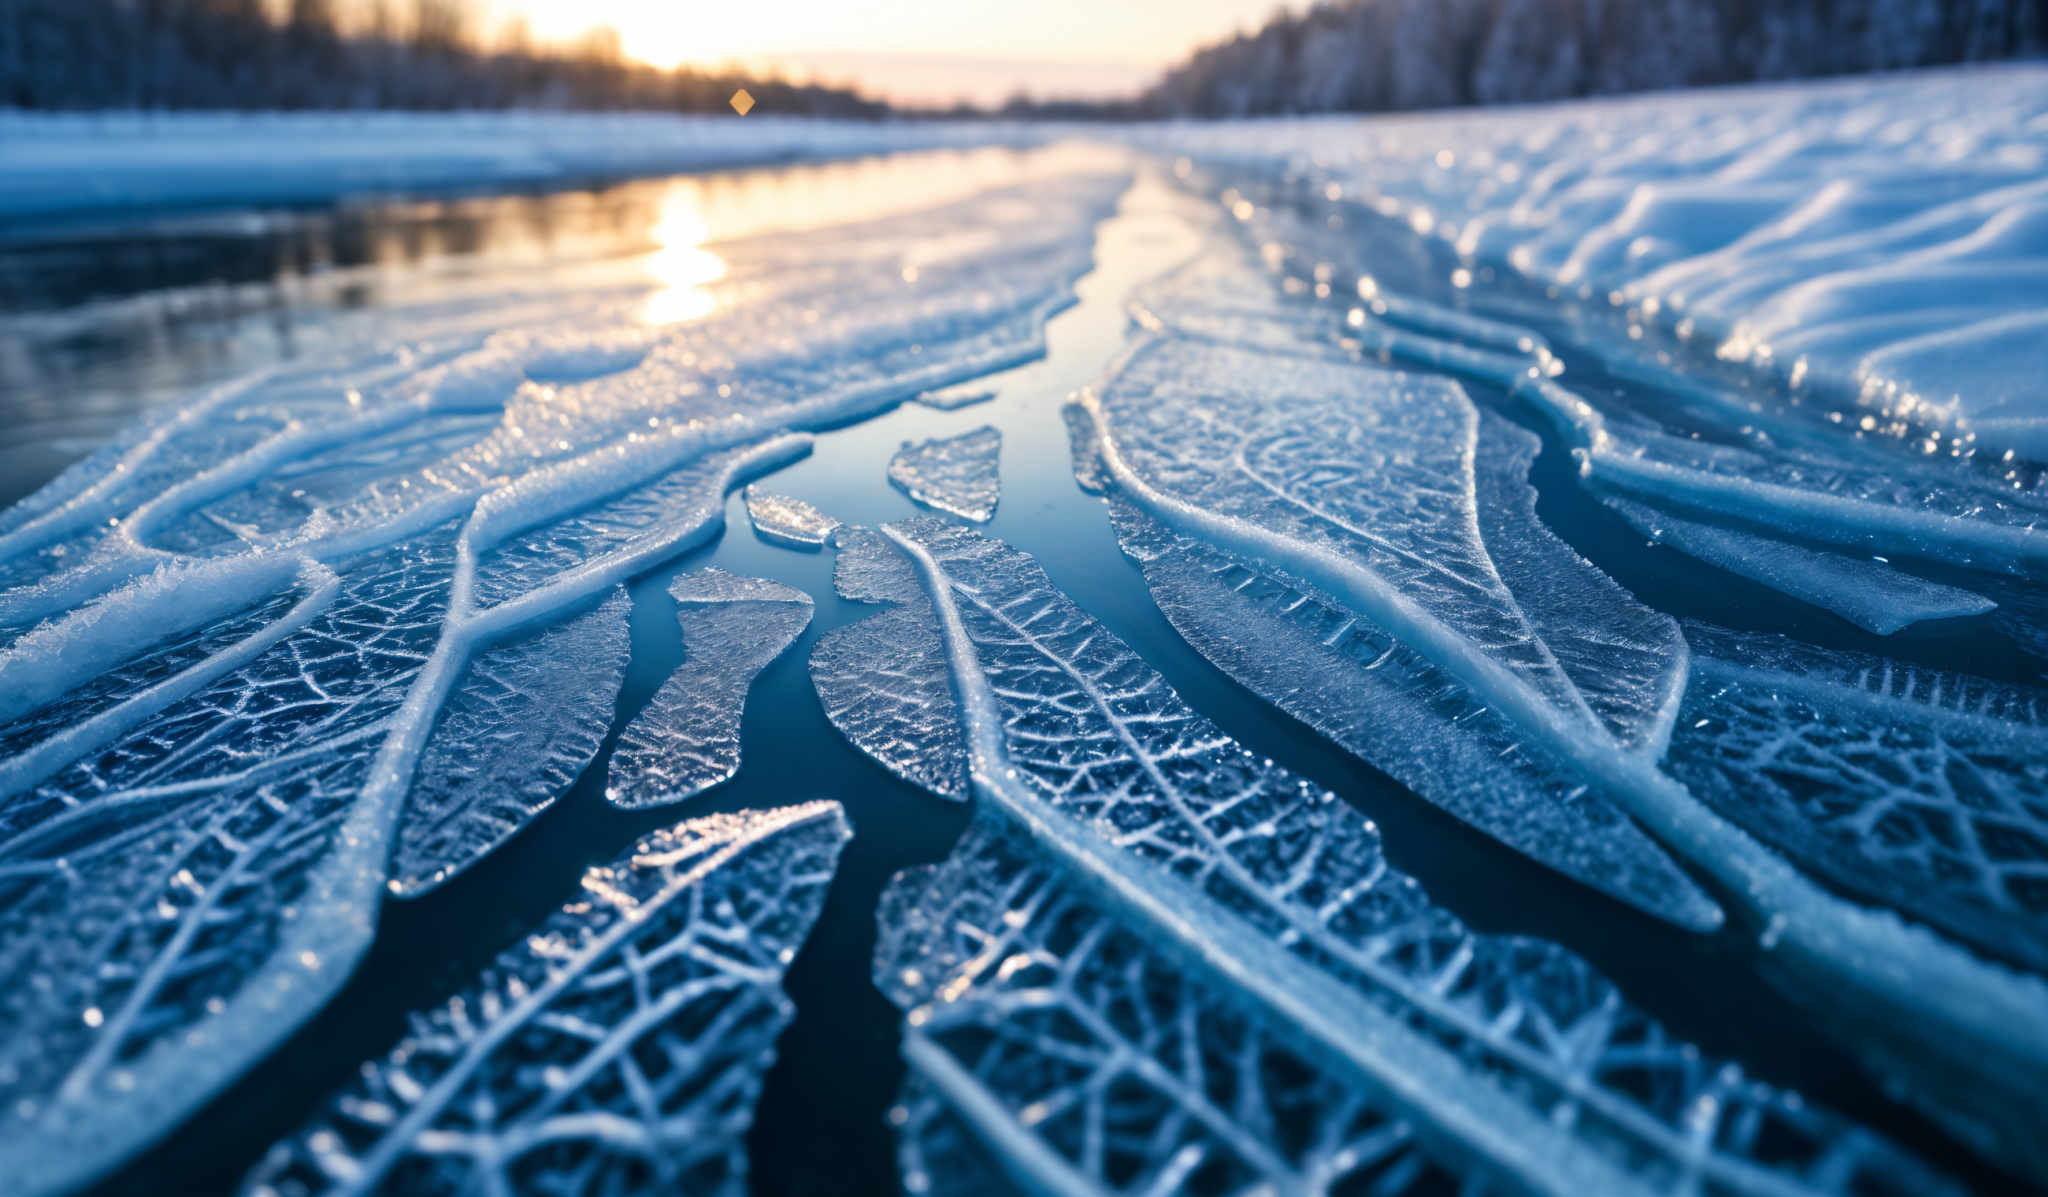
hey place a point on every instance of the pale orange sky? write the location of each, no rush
(920, 51)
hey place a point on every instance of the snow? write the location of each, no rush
(66, 165)
(1864, 238)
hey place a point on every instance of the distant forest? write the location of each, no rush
(1341, 56)
(1380, 55)
(405, 54)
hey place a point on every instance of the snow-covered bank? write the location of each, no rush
(1883, 238)
(70, 164)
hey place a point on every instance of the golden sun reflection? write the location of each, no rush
(681, 268)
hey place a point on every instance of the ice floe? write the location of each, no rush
(618, 1048)
(955, 474)
(688, 737)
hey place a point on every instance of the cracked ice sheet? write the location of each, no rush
(1757, 467)
(618, 1048)
(688, 738)
(960, 475)
(1143, 906)
(1353, 497)
(191, 872)
(1898, 273)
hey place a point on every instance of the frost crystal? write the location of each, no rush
(1222, 900)
(953, 474)
(618, 1048)
(793, 523)
(688, 738)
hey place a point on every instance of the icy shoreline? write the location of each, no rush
(63, 165)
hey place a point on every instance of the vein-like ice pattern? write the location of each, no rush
(1233, 478)
(1916, 786)
(230, 640)
(688, 737)
(1878, 240)
(1390, 491)
(956, 474)
(524, 721)
(792, 523)
(1146, 911)
(618, 1049)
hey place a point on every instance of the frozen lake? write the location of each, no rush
(1206, 300)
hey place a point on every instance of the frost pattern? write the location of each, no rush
(792, 523)
(1727, 457)
(1275, 893)
(1915, 787)
(618, 1048)
(1391, 491)
(1112, 1067)
(521, 725)
(312, 561)
(956, 474)
(688, 738)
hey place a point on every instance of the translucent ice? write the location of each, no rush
(955, 398)
(1217, 899)
(618, 1048)
(957, 474)
(688, 737)
(249, 651)
(1918, 788)
(779, 519)
(527, 716)
(1298, 533)
(1871, 594)
(1390, 493)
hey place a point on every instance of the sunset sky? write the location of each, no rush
(916, 50)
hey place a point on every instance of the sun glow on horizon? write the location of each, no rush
(1051, 45)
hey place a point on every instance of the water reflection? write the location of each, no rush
(98, 321)
(682, 266)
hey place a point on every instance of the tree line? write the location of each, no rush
(374, 54)
(1382, 55)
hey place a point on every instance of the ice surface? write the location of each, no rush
(1878, 239)
(246, 648)
(779, 519)
(1229, 900)
(1389, 493)
(1914, 787)
(618, 1048)
(955, 398)
(1270, 533)
(1871, 594)
(957, 474)
(521, 725)
(68, 163)
(688, 737)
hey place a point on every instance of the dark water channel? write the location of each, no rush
(95, 323)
